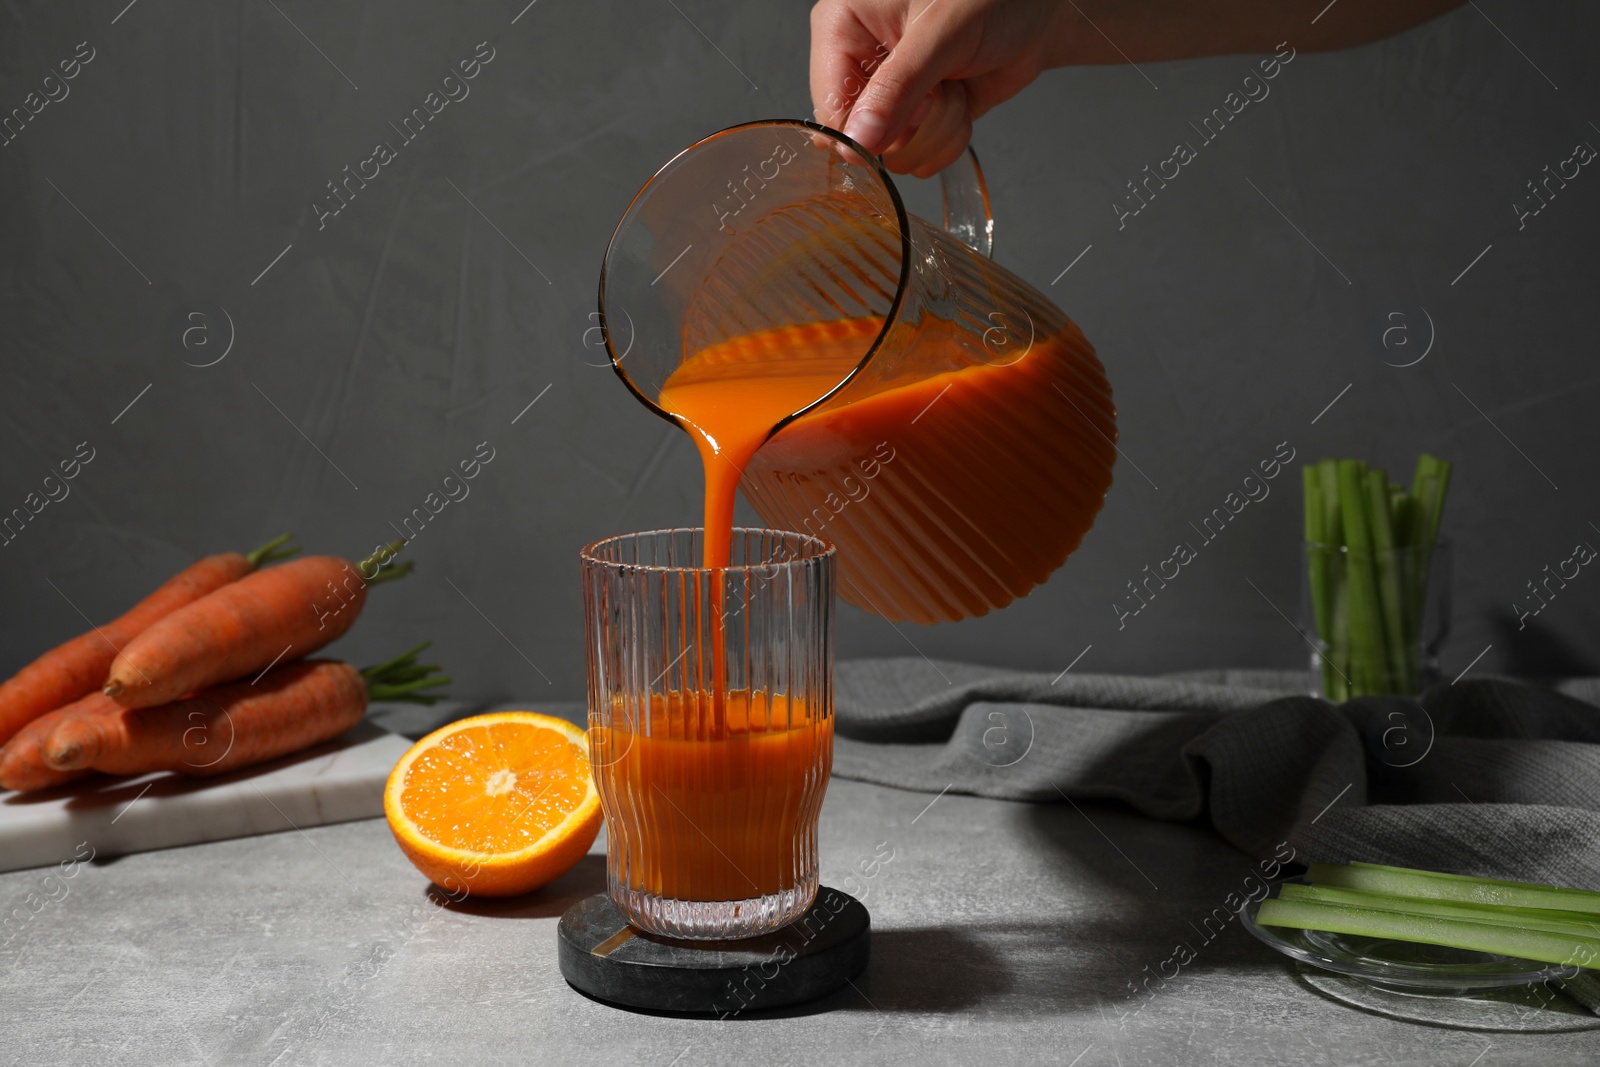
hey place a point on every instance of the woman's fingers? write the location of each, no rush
(906, 78)
(925, 53)
(920, 115)
(938, 138)
(844, 55)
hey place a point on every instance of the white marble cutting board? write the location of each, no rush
(336, 782)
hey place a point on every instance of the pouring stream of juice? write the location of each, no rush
(729, 397)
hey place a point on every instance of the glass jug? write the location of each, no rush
(967, 438)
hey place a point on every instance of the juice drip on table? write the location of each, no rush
(728, 816)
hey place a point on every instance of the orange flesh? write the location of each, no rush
(705, 807)
(494, 789)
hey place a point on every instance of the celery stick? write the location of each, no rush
(1424, 471)
(1426, 496)
(1441, 471)
(1574, 923)
(1436, 885)
(1438, 479)
(1407, 522)
(1332, 519)
(1336, 660)
(1428, 490)
(1317, 562)
(1413, 572)
(1339, 622)
(1431, 468)
(1403, 509)
(1368, 653)
(1312, 480)
(1392, 596)
(1526, 944)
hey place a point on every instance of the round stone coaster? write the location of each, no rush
(603, 956)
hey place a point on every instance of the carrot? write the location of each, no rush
(22, 764)
(240, 724)
(219, 730)
(77, 668)
(240, 629)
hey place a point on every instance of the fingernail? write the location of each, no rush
(866, 128)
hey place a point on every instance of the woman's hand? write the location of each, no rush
(906, 78)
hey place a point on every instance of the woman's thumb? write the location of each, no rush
(900, 84)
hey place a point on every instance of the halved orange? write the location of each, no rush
(496, 804)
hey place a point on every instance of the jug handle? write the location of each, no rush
(966, 203)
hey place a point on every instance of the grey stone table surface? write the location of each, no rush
(1003, 933)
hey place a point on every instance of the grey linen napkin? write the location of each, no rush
(1487, 777)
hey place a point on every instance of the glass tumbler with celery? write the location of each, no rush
(1376, 575)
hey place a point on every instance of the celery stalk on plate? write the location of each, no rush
(1434, 885)
(1541, 945)
(1574, 923)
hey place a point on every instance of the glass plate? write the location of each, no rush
(1401, 965)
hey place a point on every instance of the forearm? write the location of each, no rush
(1117, 31)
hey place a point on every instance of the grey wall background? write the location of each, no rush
(378, 351)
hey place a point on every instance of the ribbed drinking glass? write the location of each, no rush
(711, 725)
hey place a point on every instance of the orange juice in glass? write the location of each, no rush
(711, 725)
